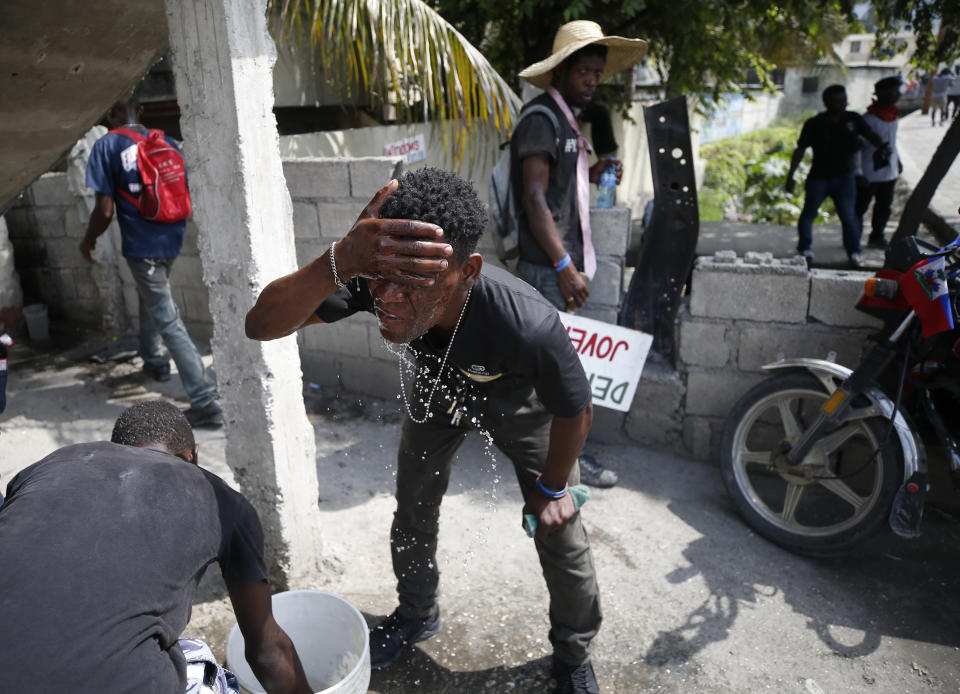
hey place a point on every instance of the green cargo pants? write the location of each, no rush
(520, 428)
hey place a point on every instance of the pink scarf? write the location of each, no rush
(583, 185)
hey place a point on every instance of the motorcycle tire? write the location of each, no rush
(858, 469)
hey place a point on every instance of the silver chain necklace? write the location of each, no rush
(436, 381)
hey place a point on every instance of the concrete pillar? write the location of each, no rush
(222, 60)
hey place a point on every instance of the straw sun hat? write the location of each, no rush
(571, 37)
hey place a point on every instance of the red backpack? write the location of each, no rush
(164, 196)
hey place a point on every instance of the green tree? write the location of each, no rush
(700, 46)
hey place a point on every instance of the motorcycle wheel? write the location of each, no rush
(853, 471)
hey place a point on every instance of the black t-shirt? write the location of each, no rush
(536, 135)
(101, 550)
(509, 341)
(834, 142)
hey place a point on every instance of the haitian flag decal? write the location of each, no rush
(925, 287)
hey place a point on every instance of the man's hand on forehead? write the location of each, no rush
(402, 250)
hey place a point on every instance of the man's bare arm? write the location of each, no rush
(567, 436)
(99, 221)
(267, 648)
(400, 249)
(536, 179)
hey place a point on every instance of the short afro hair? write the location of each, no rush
(154, 422)
(442, 198)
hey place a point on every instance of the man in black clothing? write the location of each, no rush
(551, 177)
(102, 547)
(489, 353)
(834, 135)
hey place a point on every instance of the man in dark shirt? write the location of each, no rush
(550, 174)
(150, 249)
(834, 135)
(479, 350)
(102, 547)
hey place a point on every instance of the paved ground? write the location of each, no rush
(694, 601)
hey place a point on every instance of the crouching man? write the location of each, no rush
(102, 547)
(479, 349)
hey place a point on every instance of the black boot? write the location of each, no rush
(393, 634)
(575, 679)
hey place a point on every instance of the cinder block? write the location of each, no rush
(187, 271)
(63, 253)
(51, 189)
(85, 285)
(370, 377)
(308, 251)
(834, 295)
(49, 222)
(699, 437)
(337, 218)
(345, 337)
(610, 230)
(763, 344)
(778, 291)
(306, 225)
(190, 237)
(660, 389)
(606, 315)
(75, 222)
(607, 427)
(704, 342)
(317, 177)
(605, 285)
(195, 305)
(370, 174)
(712, 392)
(653, 428)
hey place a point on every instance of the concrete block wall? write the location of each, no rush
(46, 226)
(746, 312)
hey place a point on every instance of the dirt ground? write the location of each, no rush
(693, 600)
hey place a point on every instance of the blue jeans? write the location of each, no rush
(544, 280)
(843, 191)
(160, 324)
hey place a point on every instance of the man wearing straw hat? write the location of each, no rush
(552, 179)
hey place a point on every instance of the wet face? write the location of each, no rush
(406, 312)
(577, 80)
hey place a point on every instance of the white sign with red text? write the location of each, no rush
(413, 148)
(612, 357)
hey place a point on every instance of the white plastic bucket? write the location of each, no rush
(37, 326)
(331, 638)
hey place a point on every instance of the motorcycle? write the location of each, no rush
(817, 458)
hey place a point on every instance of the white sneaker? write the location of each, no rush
(808, 255)
(856, 260)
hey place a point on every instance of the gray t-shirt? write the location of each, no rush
(101, 550)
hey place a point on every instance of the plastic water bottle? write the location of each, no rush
(607, 188)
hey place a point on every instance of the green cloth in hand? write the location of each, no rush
(580, 493)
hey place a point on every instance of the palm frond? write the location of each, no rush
(403, 52)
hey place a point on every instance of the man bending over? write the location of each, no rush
(483, 350)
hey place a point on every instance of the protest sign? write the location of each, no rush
(612, 356)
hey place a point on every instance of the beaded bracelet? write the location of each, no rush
(562, 263)
(549, 493)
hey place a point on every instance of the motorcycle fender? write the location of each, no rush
(907, 510)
